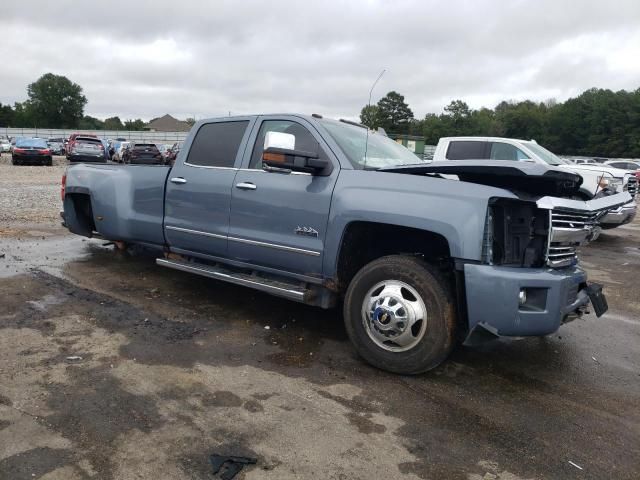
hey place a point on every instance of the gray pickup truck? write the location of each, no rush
(325, 212)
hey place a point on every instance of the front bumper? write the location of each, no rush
(553, 296)
(620, 216)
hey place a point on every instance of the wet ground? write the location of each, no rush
(114, 368)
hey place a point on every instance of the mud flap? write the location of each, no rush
(598, 300)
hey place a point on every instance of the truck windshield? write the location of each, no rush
(546, 155)
(381, 150)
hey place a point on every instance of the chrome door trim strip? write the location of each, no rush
(313, 253)
(195, 232)
(276, 246)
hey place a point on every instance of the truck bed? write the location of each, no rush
(127, 201)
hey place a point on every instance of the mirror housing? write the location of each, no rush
(280, 153)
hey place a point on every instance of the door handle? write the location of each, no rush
(178, 180)
(246, 186)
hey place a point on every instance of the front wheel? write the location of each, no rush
(400, 315)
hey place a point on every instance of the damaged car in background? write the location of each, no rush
(325, 212)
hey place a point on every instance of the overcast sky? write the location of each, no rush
(206, 58)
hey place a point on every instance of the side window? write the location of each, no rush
(304, 139)
(505, 151)
(217, 144)
(466, 150)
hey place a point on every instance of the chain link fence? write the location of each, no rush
(151, 137)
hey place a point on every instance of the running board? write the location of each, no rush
(281, 289)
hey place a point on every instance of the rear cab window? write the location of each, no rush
(217, 144)
(467, 150)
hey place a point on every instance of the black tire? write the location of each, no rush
(50, 162)
(439, 337)
(14, 161)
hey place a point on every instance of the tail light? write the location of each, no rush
(45, 151)
(63, 186)
(18, 150)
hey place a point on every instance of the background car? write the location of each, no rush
(173, 153)
(86, 149)
(32, 151)
(56, 145)
(5, 144)
(105, 149)
(632, 167)
(143, 154)
(119, 150)
(72, 139)
(162, 148)
(624, 164)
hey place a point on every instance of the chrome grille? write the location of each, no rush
(569, 229)
(560, 255)
(572, 219)
(632, 186)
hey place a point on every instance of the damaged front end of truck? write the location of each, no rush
(528, 281)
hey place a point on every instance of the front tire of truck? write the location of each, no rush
(399, 313)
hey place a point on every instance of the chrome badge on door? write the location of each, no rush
(308, 231)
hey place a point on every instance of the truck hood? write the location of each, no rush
(601, 169)
(532, 178)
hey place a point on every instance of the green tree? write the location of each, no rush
(7, 116)
(91, 123)
(55, 102)
(598, 122)
(393, 113)
(136, 125)
(190, 121)
(113, 123)
(22, 115)
(370, 116)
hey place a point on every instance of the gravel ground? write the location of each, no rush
(29, 195)
(113, 368)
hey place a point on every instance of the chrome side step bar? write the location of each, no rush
(281, 289)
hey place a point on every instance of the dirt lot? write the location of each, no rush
(114, 368)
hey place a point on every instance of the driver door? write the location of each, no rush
(279, 218)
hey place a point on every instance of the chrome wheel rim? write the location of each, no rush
(394, 316)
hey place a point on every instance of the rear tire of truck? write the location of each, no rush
(399, 313)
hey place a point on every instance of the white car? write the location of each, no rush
(5, 145)
(117, 156)
(595, 177)
(630, 165)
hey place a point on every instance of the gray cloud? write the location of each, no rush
(208, 58)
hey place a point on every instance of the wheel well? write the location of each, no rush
(79, 213)
(363, 242)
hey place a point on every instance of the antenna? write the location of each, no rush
(366, 143)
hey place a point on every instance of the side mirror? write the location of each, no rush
(280, 152)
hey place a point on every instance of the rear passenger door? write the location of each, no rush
(198, 193)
